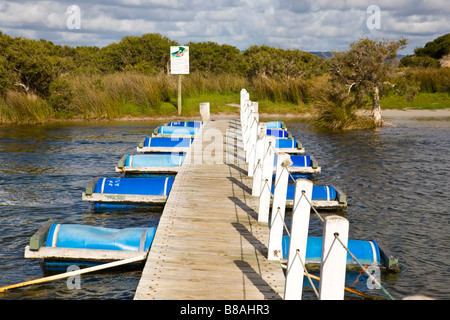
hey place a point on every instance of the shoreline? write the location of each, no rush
(410, 113)
(385, 114)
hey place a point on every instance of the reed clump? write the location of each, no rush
(336, 110)
(113, 95)
(291, 90)
(24, 108)
(432, 80)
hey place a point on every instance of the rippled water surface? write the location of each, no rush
(396, 181)
(44, 170)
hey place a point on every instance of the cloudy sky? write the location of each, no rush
(309, 25)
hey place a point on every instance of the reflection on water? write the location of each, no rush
(396, 181)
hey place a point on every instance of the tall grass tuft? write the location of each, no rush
(432, 79)
(336, 110)
(114, 95)
(293, 90)
(24, 108)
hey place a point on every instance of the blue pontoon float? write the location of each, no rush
(301, 164)
(275, 125)
(279, 133)
(195, 124)
(323, 197)
(176, 131)
(66, 244)
(290, 146)
(163, 162)
(165, 144)
(128, 193)
(367, 252)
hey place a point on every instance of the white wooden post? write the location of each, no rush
(255, 106)
(244, 119)
(334, 258)
(251, 134)
(299, 237)
(244, 97)
(278, 207)
(255, 153)
(266, 179)
(204, 111)
(247, 122)
(257, 171)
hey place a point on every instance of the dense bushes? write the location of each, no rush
(40, 80)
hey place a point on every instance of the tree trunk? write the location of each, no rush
(376, 109)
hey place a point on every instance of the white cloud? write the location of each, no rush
(310, 25)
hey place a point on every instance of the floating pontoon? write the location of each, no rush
(278, 133)
(323, 197)
(165, 144)
(275, 125)
(195, 124)
(164, 162)
(118, 193)
(290, 146)
(176, 131)
(302, 164)
(367, 252)
(66, 244)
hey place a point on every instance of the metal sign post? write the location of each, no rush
(179, 64)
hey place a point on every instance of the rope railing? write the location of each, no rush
(265, 185)
(371, 277)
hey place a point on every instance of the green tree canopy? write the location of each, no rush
(365, 68)
(280, 63)
(211, 57)
(32, 65)
(148, 53)
(429, 55)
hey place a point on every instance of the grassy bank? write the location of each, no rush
(422, 101)
(127, 94)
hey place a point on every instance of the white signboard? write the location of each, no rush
(179, 60)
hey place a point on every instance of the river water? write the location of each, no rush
(395, 178)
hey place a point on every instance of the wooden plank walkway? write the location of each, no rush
(209, 244)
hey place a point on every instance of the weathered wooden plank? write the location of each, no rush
(76, 253)
(39, 237)
(109, 197)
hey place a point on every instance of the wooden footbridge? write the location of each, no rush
(209, 243)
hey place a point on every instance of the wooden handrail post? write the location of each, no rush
(275, 251)
(334, 258)
(298, 239)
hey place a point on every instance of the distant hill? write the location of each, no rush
(329, 54)
(322, 54)
(434, 54)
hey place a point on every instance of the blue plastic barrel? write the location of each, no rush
(301, 161)
(327, 193)
(89, 237)
(175, 130)
(278, 133)
(298, 161)
(367, 252)
(157, 186)
(163, 159)
(195, 124)
(274, 125)
(285, 143)
(167, 142)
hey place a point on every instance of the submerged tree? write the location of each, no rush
(365, 69)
